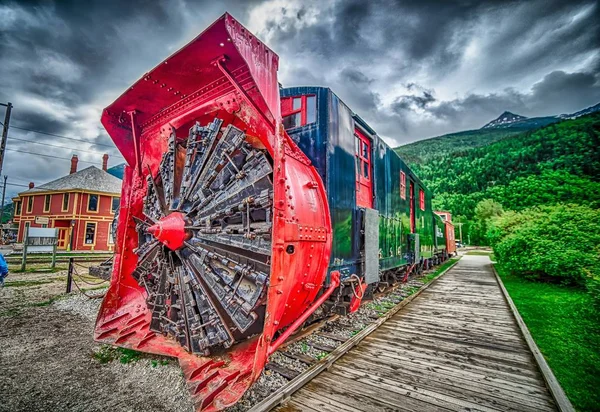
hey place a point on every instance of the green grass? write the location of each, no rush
(479, 253)
(566, 328)
(108, 353)
(37, 270)
(26, 283)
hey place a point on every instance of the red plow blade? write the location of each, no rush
(224, 234)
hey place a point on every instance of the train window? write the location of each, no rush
(421, 199)
(298, 111)
(311, 109)
(402, 185)
(291, 121)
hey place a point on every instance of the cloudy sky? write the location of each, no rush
(412, 69)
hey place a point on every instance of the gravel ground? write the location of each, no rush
(47, 363)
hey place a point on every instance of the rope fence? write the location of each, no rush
(74, 274)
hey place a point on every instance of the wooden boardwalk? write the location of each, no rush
(455, 347)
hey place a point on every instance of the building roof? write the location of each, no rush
(90, 179)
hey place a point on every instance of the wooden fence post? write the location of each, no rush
(54, 249)
(25, 241)
(70, 275)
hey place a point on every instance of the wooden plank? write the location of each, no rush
(382, 396)
(488, 325)
(451, 313)
(332, 336)
(483, 351)
(439, 377)
(282, 370)
(362, 399)
(556, 390)
(507, 372)
(382, 385)
(324, 399)
(471, 391)
(450, 325)
(511, 345)
(298, 356)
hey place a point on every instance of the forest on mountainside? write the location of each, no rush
(559, 163)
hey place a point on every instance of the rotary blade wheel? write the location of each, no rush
(205, 238)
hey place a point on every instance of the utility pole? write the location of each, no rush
(9, 107)
(460, 230)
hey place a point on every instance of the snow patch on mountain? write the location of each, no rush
(504, 120)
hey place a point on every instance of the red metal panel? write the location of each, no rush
(364, 181)
(450, 240)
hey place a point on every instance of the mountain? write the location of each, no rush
(583, 112)
(511, 120)
(504, 120)
(506, 125)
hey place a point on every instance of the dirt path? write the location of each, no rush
(47, 358)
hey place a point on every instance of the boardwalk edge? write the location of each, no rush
(563, 403)
(284, 393)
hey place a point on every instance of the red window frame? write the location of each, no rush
(422, 199)
(403, 185)
(287, 104)
(364, 185)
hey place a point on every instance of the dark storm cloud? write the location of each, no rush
(412, 69)
(482, 56)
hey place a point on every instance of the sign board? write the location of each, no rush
(41, 239)
(42, 220)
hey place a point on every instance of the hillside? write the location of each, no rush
(557, 163)
(506, 125)
(424, 151)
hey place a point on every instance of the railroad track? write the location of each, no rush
(316, 349)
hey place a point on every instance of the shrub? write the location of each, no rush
(559, 242)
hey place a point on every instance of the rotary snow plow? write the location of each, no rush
(224, 234)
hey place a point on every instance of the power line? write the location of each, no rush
(64, 137)
(61, 147)
(45, 155)
(15, 184)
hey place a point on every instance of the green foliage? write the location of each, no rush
(566, 328)
(108, 353)
(559, 163)
(424, 151)
(559, 242)
(593, 286)
(322, 355)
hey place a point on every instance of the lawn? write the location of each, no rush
(566, 328)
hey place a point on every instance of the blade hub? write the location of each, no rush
(170, 231)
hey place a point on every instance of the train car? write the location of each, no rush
(382, 220)
(248, 210)
(446, 218)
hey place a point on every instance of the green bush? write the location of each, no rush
(559, 243)
(593, 286)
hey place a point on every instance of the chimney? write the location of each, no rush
(105, 162)
(74, 161)
(31, 185)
